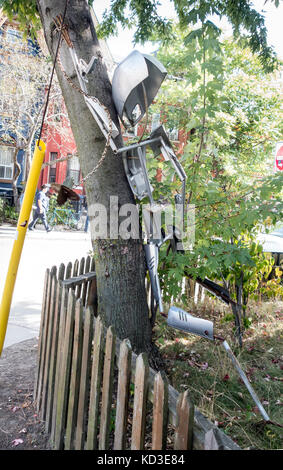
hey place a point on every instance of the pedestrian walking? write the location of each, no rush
(87, 217)
(86, 223)
(42, 203)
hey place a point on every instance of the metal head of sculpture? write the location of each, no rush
(135, 84)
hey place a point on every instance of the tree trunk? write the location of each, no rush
(16, 174)
(120, 264)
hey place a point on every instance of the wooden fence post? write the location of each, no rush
(63, 388)
(75, 268)
(96, 376)
(139, 414)
(160, 412)
(107, 388)
(69, 376)
(63, 299)
(45, 383)
(44, 337)
(85, 285)
(75, 376)
(124, 377)
(54, 350)
(41, 332)
(84, 380)
(81, 271)
(68, 270)
(184, 431)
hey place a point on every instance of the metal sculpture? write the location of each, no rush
(135, 84)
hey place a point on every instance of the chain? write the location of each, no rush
(63, 28)
(82, 92)
(58, 160)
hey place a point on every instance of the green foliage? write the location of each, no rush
(2, 213)
(214, 385)
(26, 13)
(145, 17)
(143, 14)
(232, 114)
(11, 213)
(7, 212)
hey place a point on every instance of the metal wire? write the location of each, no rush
(53, 70)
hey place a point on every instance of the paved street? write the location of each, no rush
(41, 251)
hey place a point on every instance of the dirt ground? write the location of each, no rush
(20, 427)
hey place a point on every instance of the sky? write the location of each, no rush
(273, 20)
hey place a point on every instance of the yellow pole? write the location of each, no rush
(22, 226)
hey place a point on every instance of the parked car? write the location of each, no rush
(273, 243)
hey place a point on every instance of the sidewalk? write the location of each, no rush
(20, 427)
(41, 251)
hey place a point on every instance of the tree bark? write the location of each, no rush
(16, 174)
(120, 264)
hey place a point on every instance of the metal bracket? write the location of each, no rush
(184, 321)
(85, 68)
(138, 177)
(151, 254)
(82, 69)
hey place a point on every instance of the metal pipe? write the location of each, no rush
(139, 144)
(144, 170)
(245, 380)
(22, 226)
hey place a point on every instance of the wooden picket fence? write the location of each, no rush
(93, 392)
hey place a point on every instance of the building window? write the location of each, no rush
(74, 169)
(52, 170)
(6, 163)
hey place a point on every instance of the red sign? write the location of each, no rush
(279, 156)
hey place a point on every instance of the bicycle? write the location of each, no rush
(62, 216)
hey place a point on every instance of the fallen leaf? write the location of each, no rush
(26, 404)
(16, 442)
